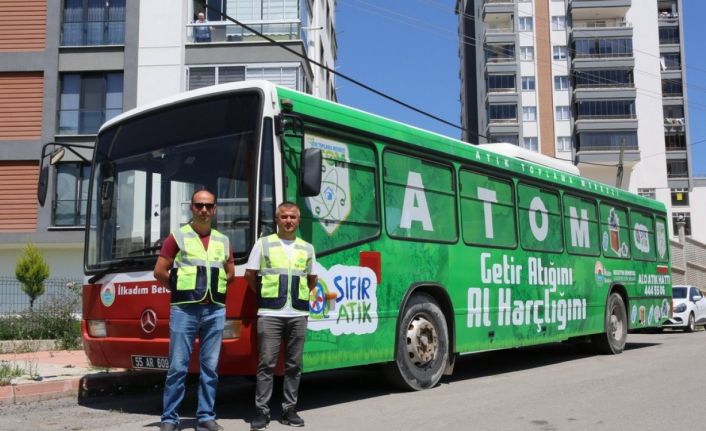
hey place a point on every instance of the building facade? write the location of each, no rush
(597, 82)
(68, 66)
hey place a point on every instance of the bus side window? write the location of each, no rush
(540, 219)
(420, 199)
(642, 232)
(346, 210)
(487, 210)
(614, 231)
(581, 226)
(661, 240)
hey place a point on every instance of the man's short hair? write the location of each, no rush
(287, 204)
(203, 189)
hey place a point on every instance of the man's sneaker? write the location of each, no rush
(209, 425)
(291, 418)
(168, 426)
(260, 422)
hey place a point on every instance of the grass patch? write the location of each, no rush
(8, 371)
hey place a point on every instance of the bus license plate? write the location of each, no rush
(150, 362)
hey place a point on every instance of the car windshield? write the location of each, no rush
(679, 292)
(147, 168)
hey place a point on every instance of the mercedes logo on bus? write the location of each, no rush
(148, 321)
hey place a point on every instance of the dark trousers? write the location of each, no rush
(270, 332)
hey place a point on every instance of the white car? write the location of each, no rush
(688, 308)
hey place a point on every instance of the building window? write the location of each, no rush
(680, 197)
(563, 113)
(286, 76)
(607, 109)
(561, 82)
(530, 144)
(502, 113)
(528, 83)
(527, 53)
(597, 48)
(678, 168)
(509, 139)
(529, 113)
(559, 52)
(606, 141)
(670, 61)
(495, 53)
(668, 35)
(647, 193)
(87, 100)
(499, 83)
(675, 141)
(559, 22)
(604, 78)
(686, 217)
(71, 194)
(93, 22)
(671, 88)
(563, 143)
(525, 23)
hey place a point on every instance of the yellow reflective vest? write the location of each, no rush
(281, 276)
(197, 272)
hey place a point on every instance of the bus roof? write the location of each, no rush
(503, 156)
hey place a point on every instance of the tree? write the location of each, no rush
(31, 271)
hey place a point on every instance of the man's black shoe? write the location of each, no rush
(260, 422)
(168, 426)
(291, 418)
(209, 425)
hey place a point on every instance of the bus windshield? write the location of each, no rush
(147, 167)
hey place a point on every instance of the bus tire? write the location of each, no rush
(612, 340)
(422, 349)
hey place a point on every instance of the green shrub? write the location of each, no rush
(52, 321)
(31, 271)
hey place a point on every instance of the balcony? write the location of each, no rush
(93, 33)
(602, 29)
(498, 7)
(598, 9)
(674, 125)
(227, 32)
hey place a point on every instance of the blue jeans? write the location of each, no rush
(185, 322)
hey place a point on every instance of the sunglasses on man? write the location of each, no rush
(202, 205)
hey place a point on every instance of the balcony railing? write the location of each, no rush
(605, 85)
(601, 24)
(607, 147)
(92, 33)
(676, 146)
(499, 30)
(498, 1)
(502, 90)
(225, 31)
(603, 55)
(83, 121)
(502, 120)
(605, 117)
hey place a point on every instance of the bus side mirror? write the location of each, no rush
(311, 165)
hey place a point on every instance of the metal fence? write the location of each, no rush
(57, 291)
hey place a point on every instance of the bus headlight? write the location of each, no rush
(232, 328)
(96, 328)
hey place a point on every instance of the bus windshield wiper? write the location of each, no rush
(150, 248)
(127, 263)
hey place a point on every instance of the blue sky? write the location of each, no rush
(409, 50)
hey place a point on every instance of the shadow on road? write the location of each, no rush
(235, 398)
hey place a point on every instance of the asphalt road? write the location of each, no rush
(658, 384)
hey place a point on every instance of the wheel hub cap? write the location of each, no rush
(422, 342)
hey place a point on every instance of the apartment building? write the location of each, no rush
(597, 82)
(68, 66)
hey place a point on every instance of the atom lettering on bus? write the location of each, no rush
(345, 301)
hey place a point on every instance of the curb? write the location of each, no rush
(88, 386)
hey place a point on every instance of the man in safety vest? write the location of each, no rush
(196, 262)
(280, 270)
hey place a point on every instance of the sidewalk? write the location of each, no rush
(67, 373)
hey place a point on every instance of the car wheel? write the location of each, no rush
(691, 324)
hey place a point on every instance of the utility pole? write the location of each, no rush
(619, 174)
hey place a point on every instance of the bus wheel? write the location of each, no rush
(612, 341)
(422, 349)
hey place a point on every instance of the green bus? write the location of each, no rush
(427, 247)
